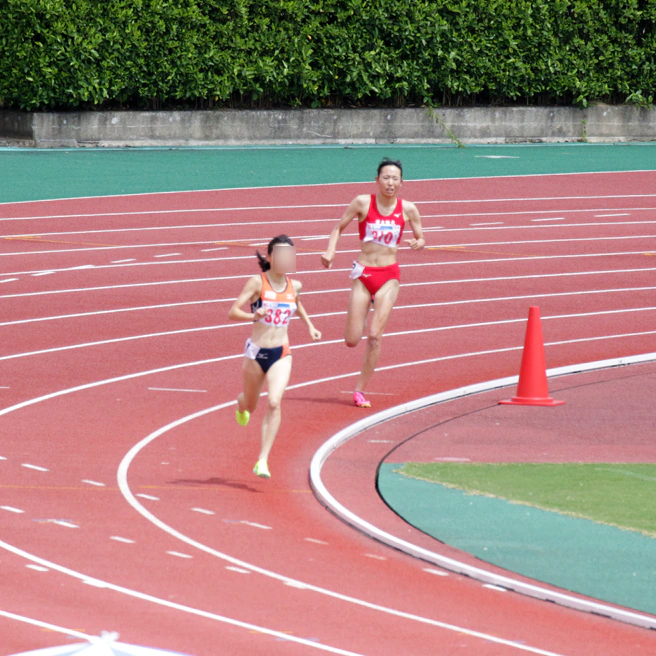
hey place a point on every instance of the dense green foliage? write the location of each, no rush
(263, 53)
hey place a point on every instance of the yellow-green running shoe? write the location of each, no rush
(261, 469)
(243, 417)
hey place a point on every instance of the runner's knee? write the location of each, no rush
(374, 339)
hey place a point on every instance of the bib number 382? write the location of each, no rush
(277, 317)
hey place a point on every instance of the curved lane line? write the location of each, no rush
(122, 480)
(327, 499)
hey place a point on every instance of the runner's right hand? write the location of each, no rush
(259, 314)
(327, 259)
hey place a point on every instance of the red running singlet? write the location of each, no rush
(381, 229)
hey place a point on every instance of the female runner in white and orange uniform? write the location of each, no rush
(274, 299)
(376, 276)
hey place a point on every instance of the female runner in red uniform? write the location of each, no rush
(381, 219)
(274, 299)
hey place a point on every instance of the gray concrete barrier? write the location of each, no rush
(328, 126)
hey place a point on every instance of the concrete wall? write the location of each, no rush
(321, 126)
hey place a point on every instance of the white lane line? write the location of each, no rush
(215, 226)
(315, 541)
(35, 467)
(173, 389)
(603, 216)
(390, 334)
(148, 496)
(37, 568)
(488, 223)
(90, 482)
(557, 218)
(45, 625)
(203, 511)
(167, 255)
(240, 570)
(2, 457)
(437, 572)
(129, 259)
(256, 525)
(251, 208)
(130, 498)
(179, 554)
(61, 522)
(12, 509)
(8, 280)
(42, 273)
(375, 556)
(118, 538)
(211, 250)
(498, 588)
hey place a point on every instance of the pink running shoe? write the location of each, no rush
(360, 401)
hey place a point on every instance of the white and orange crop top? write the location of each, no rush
(381, 229)
(280, 307)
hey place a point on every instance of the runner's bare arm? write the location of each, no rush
(412, 216)
(357, 208)
(303, 315)
(253, 288)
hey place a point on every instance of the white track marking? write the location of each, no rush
(178, 554)
(8, 280)
(168, 255)
(437, 572)
(148, 496)
(130, 259)
(96, 483)
(186, 331)
(204, 511)
(45, 625)
(498, 588)
(61, 522)
(476, 225)
(239, 570)
(255, 525)
(215, 226)
(12, 509)
(315, 541)
(35, 467)
(118, 538)
(211, 250)
(173, 389)
(374, 556)
(557, 218)
(42, 273)
(2, 457)
(250, 208)
(349, 517)
(37, 568)
(603, 216)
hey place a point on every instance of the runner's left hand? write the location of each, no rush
(315, 334)
(416, 244)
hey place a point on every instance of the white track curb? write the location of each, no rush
(451, 564)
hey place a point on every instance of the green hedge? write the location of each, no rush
(263, 53)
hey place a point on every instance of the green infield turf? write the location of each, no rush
(622, 495)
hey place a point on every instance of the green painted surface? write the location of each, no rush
(603, 562)
(622, 495)
(37, 174)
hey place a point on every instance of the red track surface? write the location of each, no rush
(295, 568)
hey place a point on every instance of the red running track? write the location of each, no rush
(127, 499)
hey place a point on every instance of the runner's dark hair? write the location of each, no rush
(390, 162)
(280, 239)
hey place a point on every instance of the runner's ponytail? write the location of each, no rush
(265, 265)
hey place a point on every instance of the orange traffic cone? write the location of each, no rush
(532, 388)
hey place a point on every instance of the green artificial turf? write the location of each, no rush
(622, 495)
